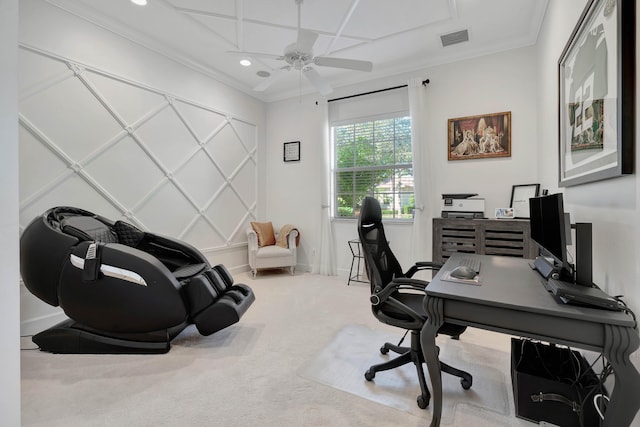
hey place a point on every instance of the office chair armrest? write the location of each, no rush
(395, 285)
(398, 305)
(423, 265)
(416, 284)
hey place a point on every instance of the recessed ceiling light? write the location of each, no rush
(245, 62)
(139, 2)
(263, 73)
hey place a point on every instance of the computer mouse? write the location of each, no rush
(463, 272)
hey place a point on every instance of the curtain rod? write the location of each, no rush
(424, 83)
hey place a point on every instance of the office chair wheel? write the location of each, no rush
(466, 384)
(369, 375)
(423, 402)
(384, 349)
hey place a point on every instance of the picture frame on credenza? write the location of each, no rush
(520, 195)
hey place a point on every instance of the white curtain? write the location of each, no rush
(325, 261)
(421, 236)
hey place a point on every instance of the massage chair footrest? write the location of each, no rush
(224, 312)
(215, 302)
(71, 337)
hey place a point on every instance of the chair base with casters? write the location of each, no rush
(397, 300)
(414, 355)
(123, 290)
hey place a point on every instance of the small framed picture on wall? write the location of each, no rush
(292, 151)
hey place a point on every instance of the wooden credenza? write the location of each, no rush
(508, 237)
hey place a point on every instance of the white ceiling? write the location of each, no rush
(397, 36)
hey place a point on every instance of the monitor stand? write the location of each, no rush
(545, 268)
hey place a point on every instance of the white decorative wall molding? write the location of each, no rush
(81, 11)
(120, 148)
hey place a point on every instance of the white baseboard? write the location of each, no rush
(38, 324)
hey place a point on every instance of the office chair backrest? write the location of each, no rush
(375, 247)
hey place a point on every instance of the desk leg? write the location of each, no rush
(434, 309)
(619, 344)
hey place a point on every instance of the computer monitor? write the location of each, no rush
(549, 232)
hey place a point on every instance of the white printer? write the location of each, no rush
(463, 205)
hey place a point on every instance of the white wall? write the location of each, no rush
(9, 258)
(611, 205)
(292, 194)
(490, 84)
(114, 128)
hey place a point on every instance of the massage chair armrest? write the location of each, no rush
(116, 256)
(118, 302)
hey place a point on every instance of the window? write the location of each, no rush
(372, 157)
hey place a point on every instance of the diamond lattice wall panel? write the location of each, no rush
(202, 121)
(124, 150)
(125, 172)
(37, 71)
(199, 177)
(166, 211)
(71, 191)
(227, 150)
(127, 100)
(227, 200)
(241, 234)
(167, 138)
(71, 117)
(244, 182)
(203, 236)
(247, 134)
(40, 167)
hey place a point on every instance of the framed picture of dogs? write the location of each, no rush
(479, 137)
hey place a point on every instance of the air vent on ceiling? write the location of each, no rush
(455, 37)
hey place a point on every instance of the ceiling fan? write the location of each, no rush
(299, 56)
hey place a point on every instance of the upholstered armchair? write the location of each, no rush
(270, 249)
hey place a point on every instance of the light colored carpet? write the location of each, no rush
(342, 364)
(263, 371)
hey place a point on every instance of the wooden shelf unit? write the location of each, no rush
(508, 237)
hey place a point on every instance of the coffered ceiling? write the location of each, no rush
(395, 36)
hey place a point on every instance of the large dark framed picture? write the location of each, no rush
(596, 94)
(479, 137)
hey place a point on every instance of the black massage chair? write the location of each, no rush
(124, 290)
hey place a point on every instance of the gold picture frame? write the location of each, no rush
(479, 137)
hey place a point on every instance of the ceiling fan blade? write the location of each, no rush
(317, 81)
(275, 75)
(306, 40)
(351, 64)
(255, 54)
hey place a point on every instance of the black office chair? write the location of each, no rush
(396, 299)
